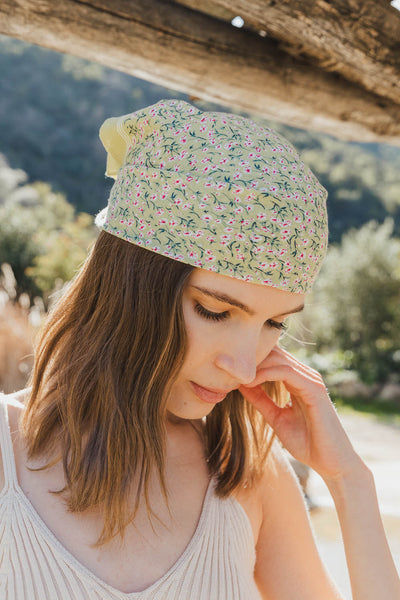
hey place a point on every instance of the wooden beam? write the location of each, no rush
(182, 49)
(358, 40)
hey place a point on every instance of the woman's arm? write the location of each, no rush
(311, 430)
(372, 571)
(288, 564)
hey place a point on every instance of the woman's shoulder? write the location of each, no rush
(15, 405)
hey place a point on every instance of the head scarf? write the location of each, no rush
(216, 191)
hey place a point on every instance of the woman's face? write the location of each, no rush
(231, 327)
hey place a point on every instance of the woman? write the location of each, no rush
(143, 465)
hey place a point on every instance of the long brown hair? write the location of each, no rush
(105, 361)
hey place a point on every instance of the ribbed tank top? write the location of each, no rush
(217, 564)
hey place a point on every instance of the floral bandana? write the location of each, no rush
(216, 191)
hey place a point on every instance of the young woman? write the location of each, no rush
(141, 462)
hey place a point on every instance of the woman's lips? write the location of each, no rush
(208, 395)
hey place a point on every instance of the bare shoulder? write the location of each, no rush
(14, 404)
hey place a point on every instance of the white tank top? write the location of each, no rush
(217, 564)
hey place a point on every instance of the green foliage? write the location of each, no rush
(64, 250)
(355, 304)
(41, 237)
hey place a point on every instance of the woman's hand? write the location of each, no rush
(308, 426)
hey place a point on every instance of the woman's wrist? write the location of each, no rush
(357, 477)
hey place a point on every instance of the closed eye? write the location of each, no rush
(214, 316)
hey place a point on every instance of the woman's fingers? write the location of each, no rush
(262, 402)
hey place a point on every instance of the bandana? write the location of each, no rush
(216, 191)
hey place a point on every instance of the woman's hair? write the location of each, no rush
(105, 362)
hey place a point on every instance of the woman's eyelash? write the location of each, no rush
(207, 314)
(277, 325)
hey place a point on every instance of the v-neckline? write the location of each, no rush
(79, 566)
(69, 558)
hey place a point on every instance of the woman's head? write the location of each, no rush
(141, 332)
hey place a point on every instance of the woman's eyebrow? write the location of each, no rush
(221, 297)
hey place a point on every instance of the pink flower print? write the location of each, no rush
(193, 254)
(228, 229)
(231, 221)
(256, 238)
(210, 258)
(162, 221)
(205, 160)
(238, 210)
(240, 256)
(273, 188)
(305, 242)
(244, 222)
(202, 205)
(261, 216)
(249, 207)
(187, 233)
(177, 201)
(153, 197)
(210, 239)
(183, 140)
(208, 183)
(273, 265)
(206, 198)
(281, 252)
(206, 218)
(141, 227)
(228, 146)
(130, 222)
(273, 219)
(173, 222)
(220, 186)
(237, 176)
(122, 221)
(220, 208)
(150, 232)
(186, 205)
(238, 190)
(223, 161)
(226, 237)
(199, 233)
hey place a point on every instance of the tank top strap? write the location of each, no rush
(7, 452)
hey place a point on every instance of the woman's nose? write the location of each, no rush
(240, 361)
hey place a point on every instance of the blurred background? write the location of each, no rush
(52, 183)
